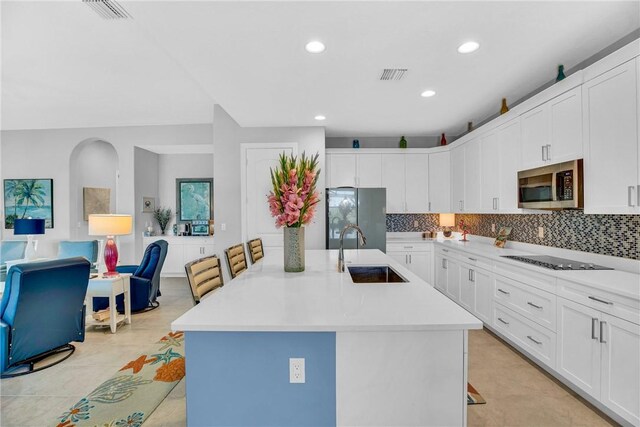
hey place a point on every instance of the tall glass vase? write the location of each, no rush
(293, 249)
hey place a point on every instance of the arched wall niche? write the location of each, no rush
(93, 163)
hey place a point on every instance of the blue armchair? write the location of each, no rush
(87, 249)
(145, 281)
(10, 250)
(41, 312)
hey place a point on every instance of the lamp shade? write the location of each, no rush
(28, 226)
(110, 225)
(447, 220)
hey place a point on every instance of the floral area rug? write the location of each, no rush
(135, 391)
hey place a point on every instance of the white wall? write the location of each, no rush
(46, 154)
(146, 185)
(227, 137)
(173, 166)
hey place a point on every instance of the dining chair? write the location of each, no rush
(205, 276)
(256, 250)
(236, 260)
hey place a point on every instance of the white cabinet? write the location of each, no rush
(342, 170)
(500, 163)
(368, 168)
(483, 283)
(181, 250)
(453, 279)
(467, 288)
(195, 251)
(552, 132)
(174, 261)
(416, 172)
(457, 179)
(439, 182)
(466, 177)
(600, 354)
(417, 257)
(611, 177)
(394, 181)
(441, 273)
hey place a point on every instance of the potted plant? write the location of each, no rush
(163, 216)
(293, 203)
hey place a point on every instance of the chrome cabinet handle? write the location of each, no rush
(408, 247)
(410, 261)
(429, 206)
(600, 300)
(602, 341)
(638, 193)
(630, 191)
(445, 250)
(503, 321)
(472, 259)
(543, 159)
(504, 292)
(469, 275)
(460, 204)
(406, 259)
(594, 321)
(444, 263)
(473, 275)
(548, 151)
(533, 305)
(534, 340)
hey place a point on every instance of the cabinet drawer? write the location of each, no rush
(410, 247)
(624, 308)
(534, 304)
(531, 337)
(527, 276)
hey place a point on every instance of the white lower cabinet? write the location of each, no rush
(441, 273)
(182, 250)
(483, 283)
(453, 279)
(417, 257)
(600, 354)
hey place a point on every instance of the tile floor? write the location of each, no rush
(517, 392)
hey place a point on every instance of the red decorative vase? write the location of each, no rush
(110, 257)
(443, 140)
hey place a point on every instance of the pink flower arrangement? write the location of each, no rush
(294, 197)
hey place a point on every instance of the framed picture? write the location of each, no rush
(28, 198)
(148, 204)
(194, 199)
(95, 201)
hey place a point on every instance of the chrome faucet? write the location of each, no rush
(363, 241)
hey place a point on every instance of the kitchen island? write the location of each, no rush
(375, 354)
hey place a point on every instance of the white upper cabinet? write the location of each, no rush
(368, 170)
(342, 170)
(611, 179)
(393, 179)
(552, 132)
(439, 182)
(417, 182)
(472, 177)
(490, 171)
(457, 179)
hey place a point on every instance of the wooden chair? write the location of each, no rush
(205, 275)
(236, 260)
(256, 252)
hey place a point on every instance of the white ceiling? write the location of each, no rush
(64, 67)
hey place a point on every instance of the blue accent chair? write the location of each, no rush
(10, 250)
(41, 313)
(87, 249)
(145, 280)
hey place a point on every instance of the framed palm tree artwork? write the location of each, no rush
(28, 198)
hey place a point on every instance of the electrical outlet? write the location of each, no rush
(541, 232)
(296, 370)
(493, 228)
(415, 223)
(223, 227)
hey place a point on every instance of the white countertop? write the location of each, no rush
(619, 282)
(265, 298)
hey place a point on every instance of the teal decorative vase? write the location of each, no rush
(294, 249)
(561, 75)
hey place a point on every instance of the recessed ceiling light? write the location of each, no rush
(428, 93)
(315, 47)
(468, 47)
(320, 117)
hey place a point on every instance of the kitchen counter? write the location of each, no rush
(265, 298)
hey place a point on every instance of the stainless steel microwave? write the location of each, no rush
(555, 187)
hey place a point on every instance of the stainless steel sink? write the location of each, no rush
(375, 274)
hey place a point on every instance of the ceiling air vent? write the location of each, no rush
(108, 9)
(393, 73)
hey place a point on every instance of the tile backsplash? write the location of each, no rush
(614, 235)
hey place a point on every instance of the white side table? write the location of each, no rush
(110, 287)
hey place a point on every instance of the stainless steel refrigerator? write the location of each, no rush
(365, 207)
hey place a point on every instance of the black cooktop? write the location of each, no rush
(555, 263)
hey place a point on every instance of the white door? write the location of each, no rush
(509, 153)
(621, 367)
(490, 167)
(401, 257)
(566, 127)
(369, 168)
(441, 274)
(394, 181)
(535, 136)
(483, 283)
(440, 182)
(417, 182)
(420, 265)
(342, 170)
(472, 176)
(259, 222)
(457, 179)
(578, 356)
(611, 142)
(453, 279)
(467, 288)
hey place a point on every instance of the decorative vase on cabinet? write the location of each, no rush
(294, 249)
